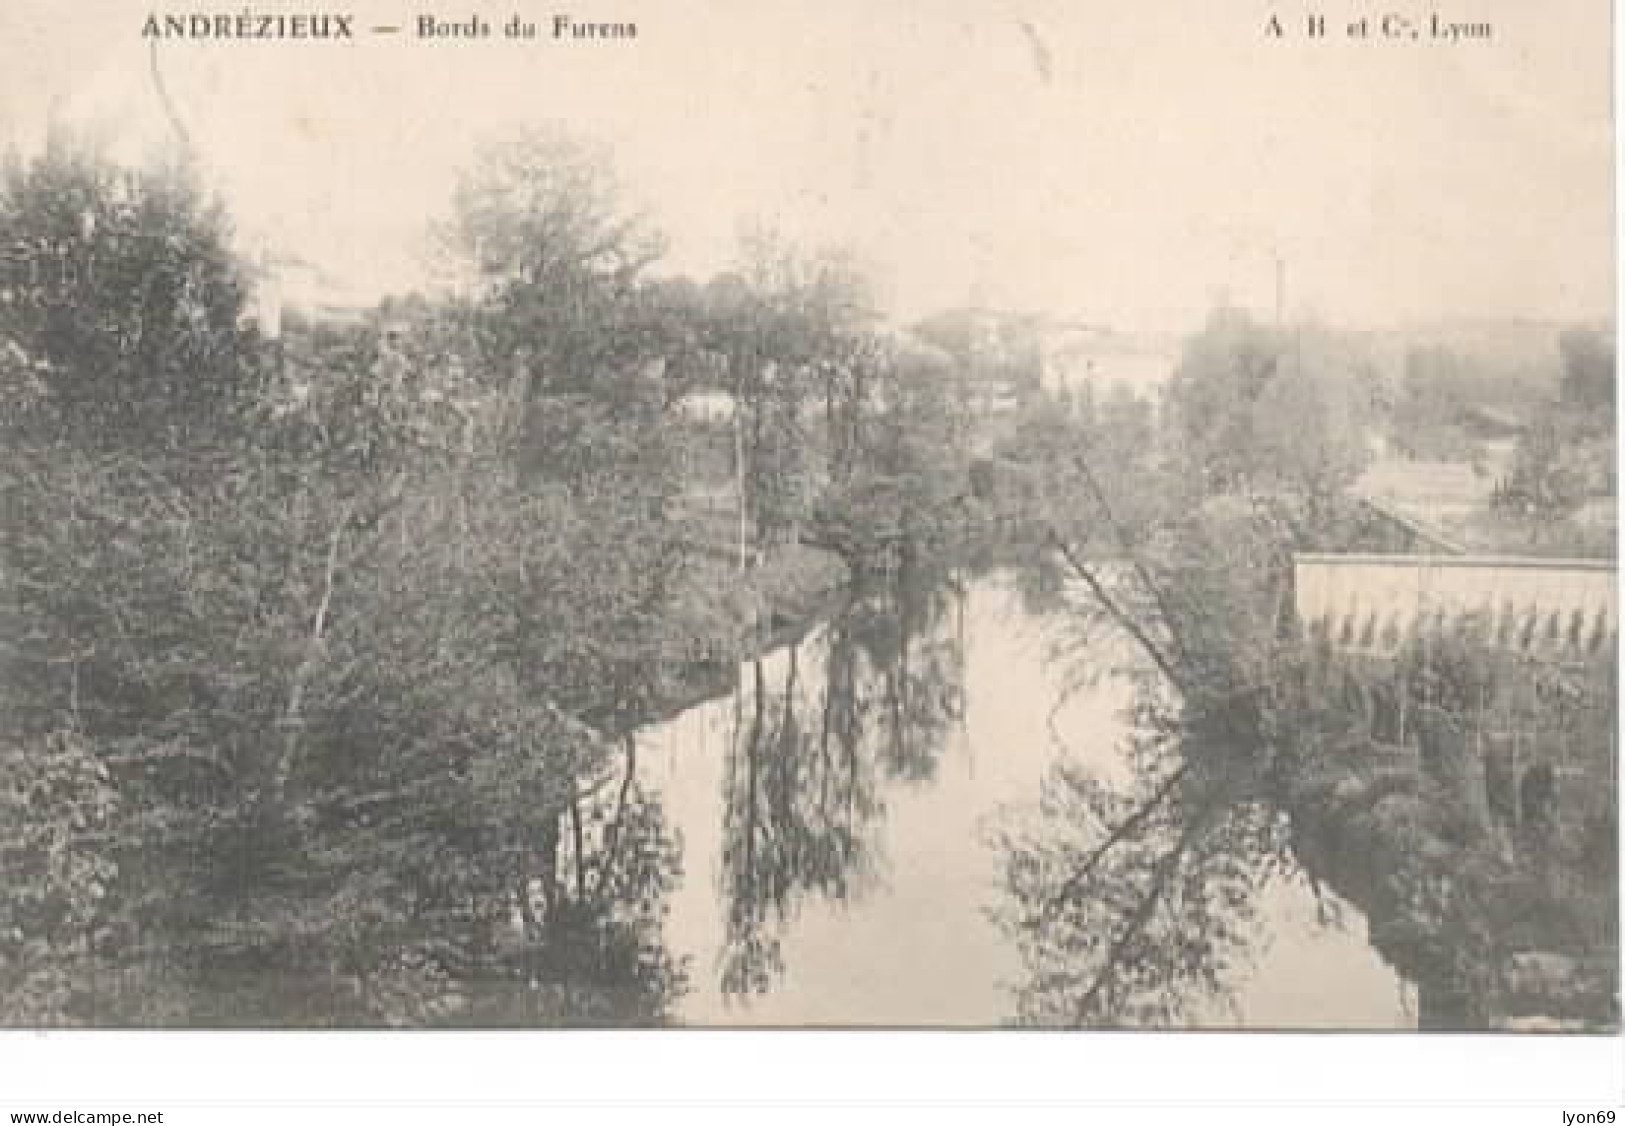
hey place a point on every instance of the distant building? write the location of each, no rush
(1003, 353)
(707, 406)
(286, 285)
(1073, 354)
(1441, 494)
(1491, 423)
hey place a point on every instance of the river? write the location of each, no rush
(833, 816)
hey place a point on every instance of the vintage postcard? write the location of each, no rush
(691, 513)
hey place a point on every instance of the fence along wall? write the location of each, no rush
(1555, 609)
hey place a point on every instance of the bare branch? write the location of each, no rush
(1160, 874)
(1118, 614)
(1106, 511)
(1129, 825)
(292, 721)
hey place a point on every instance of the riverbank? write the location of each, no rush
(1499, 927)
(789, 591)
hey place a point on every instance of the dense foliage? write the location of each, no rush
(327, 656)
(1255, 755)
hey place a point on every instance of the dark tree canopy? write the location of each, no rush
(1588, 370)
(122, 296)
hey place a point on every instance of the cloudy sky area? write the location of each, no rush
(1121, 162)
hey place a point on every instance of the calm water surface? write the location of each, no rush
(833, 815)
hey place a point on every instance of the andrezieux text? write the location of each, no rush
(250, 25)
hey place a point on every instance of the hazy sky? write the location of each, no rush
(1121, 162)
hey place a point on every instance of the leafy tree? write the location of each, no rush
(1588, 380)
(122, 297)
(791, 332)
(59, 868)
(1547, 483)
(575, 343)
(1566, 453)
(1252, 755)
(1255, 409)
(334, 789)
(294, 677)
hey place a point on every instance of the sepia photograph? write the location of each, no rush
(698, 514)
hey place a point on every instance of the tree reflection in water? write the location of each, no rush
(811, 756)
(1135, 903)
(588, 948)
